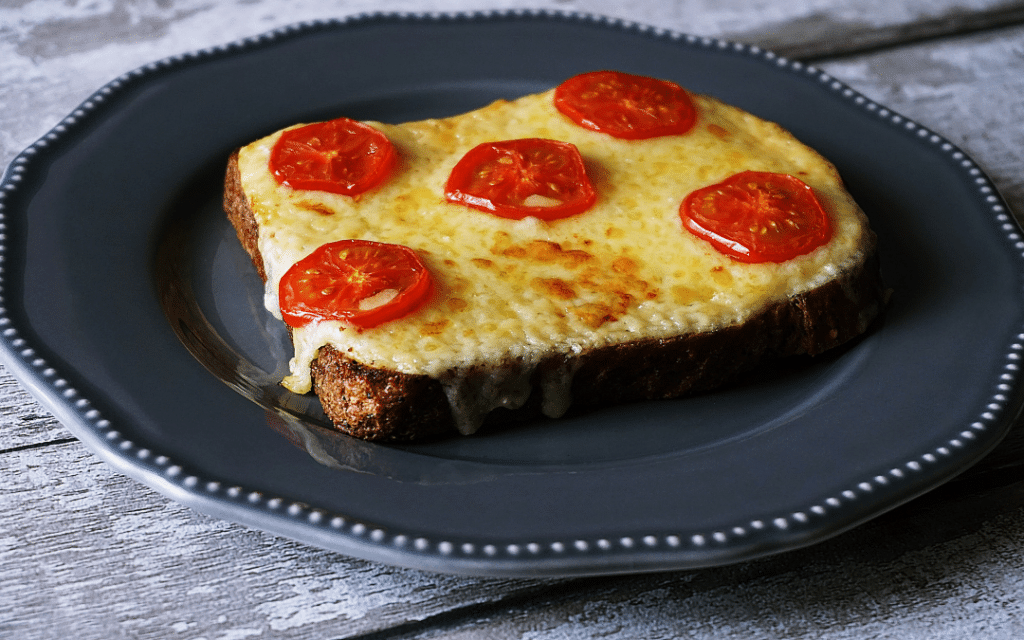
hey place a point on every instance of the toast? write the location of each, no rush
(624, 300)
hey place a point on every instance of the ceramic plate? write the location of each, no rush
(130, 311)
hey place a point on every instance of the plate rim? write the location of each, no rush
(521, 558)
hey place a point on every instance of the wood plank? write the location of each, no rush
(84, 548)
(848, 28)
(23, 422)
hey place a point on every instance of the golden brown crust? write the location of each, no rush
(384, 405)
(242, 218)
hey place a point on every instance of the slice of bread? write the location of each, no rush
(618, 304)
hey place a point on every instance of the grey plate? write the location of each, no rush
(131, 312)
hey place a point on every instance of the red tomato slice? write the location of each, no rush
(360, 282)
(519, 178)
(756, 216)
(626, 106)
(340, 156)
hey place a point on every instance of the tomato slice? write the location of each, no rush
(340, 156)
(519, 178)
(360, 282)
(756, 216)
(626, 106)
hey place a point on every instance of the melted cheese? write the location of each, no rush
(517, 291)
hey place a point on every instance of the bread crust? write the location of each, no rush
(382, 405)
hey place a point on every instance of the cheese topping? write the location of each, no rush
(516, 291)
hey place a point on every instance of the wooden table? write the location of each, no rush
(88, 553)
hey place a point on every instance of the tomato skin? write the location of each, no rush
(330, 283)
(339, 156)
(626, 106)
(757, 216)
(506, 178)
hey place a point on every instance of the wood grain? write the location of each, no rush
(23, 423)
(81, 544)
(85, 549)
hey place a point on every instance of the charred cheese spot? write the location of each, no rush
(455, 305)
(623, 264)
(718, 131)
(435, 328)
(315, 207)
(555, 288)
(542, 251)
(594, 315)
(721, 277)
(688, 295)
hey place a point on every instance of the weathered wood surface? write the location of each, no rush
(85, 552)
